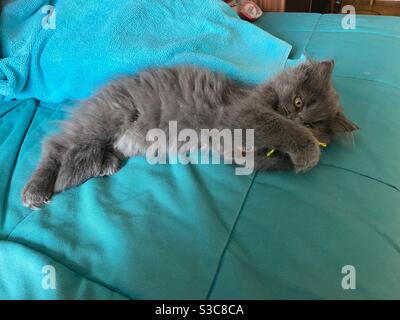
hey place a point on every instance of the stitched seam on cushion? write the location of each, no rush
(99, 283)
(219, 265)
(369, 80)
(360, 174)
(360, 32)
(312, 33)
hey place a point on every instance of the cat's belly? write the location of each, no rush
(130, 143)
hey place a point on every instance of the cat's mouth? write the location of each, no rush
(262, 152)
(270, 152)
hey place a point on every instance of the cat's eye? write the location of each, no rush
(308, 125)
(297, 102)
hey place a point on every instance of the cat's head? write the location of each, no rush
(306, 95)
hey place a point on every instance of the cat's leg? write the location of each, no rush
(87, 160)
(288, 137)
(66, 164)
(40, 186)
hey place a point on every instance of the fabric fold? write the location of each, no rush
(68, 49)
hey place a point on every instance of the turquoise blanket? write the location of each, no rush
(68, 49)
(200, 231)
(119, 237)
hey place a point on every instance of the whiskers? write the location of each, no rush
(346, 139)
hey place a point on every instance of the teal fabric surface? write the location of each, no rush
(94, 41)
(199, 231)
(149, 232)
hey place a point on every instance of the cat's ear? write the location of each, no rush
(340, 124)
(319, 72)
(327, 66)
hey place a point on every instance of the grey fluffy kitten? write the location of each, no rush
(289, 113)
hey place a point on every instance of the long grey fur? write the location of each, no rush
(112, 125)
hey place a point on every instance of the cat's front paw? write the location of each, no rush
(306, 154)
(35, 195)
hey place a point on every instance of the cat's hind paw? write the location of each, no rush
(111, 164)
(34, 196)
